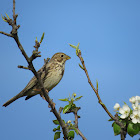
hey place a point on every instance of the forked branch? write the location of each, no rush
(14, 34)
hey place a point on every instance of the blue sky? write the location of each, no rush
(108, 32)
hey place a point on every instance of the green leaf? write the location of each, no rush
(36, 39)
(78, 98)
(133, 129)
(124, 122)
(139, 126)
(42, 38)
(57, 135)
(125, 103)
(58, 128)
(113, 124)
(73, 46)
(66, 99)
(76, 47)
(66, 108)
(110, 120)
(3, 18)
(131, 111)
(7, 16)
(116, 129)
(75, 129)
(56, 122)
(72, 100)
(54, 129)
(77, 51)
(97, 85)
(81, 66)
(71, 134)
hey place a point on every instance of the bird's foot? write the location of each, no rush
(37, 89)
(41, 93)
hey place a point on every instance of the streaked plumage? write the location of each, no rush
(51, 77)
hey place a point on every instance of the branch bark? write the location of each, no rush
(14, 34)
(116, 119)
(76, 125)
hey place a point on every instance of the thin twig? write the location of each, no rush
(81, 134)
(60, 110)
(76, 119)
(96, 92)
(123, 133)
(14, 9)
(76, 123)
(22, 67)
(6, 34)
(74, 111)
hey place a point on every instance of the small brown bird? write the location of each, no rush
(51, 77)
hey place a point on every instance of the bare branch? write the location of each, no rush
(60, 110)
(9, 35)
(116, 119)
(123, 128)
(76, 119)
(96, 91)
(14, 8)
(81, 134)
(22, 67)
(14, 34)
(76, 123)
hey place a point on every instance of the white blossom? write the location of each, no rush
(138, 99)
(135, 116)
(136, 106)
(132, 99)
(116, 107)
(125, 110)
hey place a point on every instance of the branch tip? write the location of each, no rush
(9, 35)
(22, 67)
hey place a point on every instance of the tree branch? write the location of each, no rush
(76, 124)
(9, 35)
(74, 111)
(123, 133)
(14, 34)
(81, 134)
(89, 81)
(22, 67)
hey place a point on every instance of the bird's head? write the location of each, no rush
(60, 57)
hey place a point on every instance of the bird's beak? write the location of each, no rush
(68, 57)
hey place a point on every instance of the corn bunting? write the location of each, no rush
(51, 76)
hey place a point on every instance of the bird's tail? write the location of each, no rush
(21, 94)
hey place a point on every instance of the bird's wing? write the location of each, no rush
(30, 85)
(33, 82)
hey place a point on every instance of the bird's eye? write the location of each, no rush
(62, 55)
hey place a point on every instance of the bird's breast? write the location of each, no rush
(53, 78)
